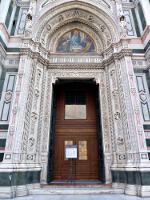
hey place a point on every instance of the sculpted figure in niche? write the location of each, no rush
(75, 41)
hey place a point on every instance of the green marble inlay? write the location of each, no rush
(15, 21)
(2, 78)
(8, 49)
(9, 13)
(19, 178)
(131, 177)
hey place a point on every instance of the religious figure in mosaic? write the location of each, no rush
(75, 41)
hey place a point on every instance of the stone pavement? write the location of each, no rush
(80, 197)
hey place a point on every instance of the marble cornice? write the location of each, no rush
(34, 55)
(85, 66)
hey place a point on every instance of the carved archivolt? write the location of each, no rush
(93, 21)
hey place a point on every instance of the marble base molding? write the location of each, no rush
(15, 184)
(133, 182)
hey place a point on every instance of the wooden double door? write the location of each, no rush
(75, 124)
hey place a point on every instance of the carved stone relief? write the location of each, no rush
(85, 15)
(28, 109)
(35, 109)
(129, 110)
(117, 117)
(17, 132)
(68, 22)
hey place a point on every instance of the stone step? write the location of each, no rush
(76, 185)
(75, 191)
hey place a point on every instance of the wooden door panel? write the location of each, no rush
(84, 169)
(76, 131)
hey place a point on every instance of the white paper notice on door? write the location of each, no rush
(71, 151)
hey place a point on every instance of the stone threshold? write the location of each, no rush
(75, 190)
(76, 185)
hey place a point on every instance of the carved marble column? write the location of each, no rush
(119, 149)
(107, 125)
(46, 124)
(134, 170)
(14, 165)
(15, 158)
(32, 156)
(13, 151)
(135, 137)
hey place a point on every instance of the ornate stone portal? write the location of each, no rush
(27, 147)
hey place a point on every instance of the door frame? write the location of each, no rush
(52, 129)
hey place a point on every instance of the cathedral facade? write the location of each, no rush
(74, 87)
